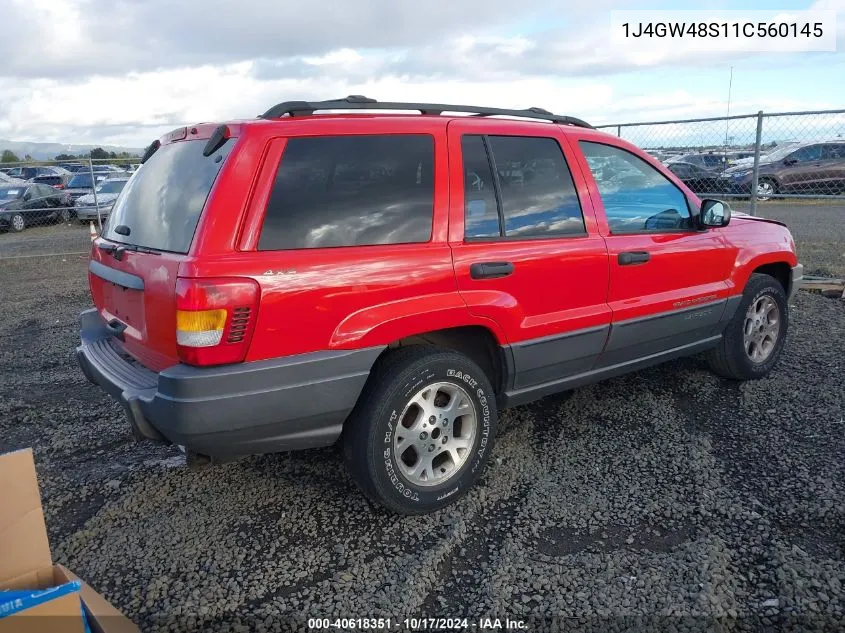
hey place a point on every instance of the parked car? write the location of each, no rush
(697, 178)
(29, 172)
(392, 282)
(805, 168)
(57, 181)
(82, 184)
(5, 179)
(31, 203)
(712, 162)
(107, 192)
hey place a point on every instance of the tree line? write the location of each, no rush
(98, 153)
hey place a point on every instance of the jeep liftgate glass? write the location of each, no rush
(161, 204)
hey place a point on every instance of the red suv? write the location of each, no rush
(392, 281)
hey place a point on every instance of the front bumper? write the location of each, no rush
(247, 408)
(796, 279)
(733, 185)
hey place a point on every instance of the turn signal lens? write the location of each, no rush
(200, 328)
(215, 318)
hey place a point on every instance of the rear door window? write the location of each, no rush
(351, 191)
(532, 195)
(538, 194)
(161, 204)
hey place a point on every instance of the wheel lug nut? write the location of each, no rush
(445, 439)
(423, 435)
(431, 448)
(432, 419)
(445, 421)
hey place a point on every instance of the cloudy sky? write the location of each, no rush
(125, 71)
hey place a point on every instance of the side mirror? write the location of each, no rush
(714, 214)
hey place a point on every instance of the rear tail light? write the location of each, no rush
(215, 319)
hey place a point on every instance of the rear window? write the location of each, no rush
(351, 191)
(81, 180)
(161, 204)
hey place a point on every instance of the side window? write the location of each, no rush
(351, 191)
(481, 212)
(636, 197)
(833, 151)
(536, 193)
(806, 154)
(713, 160)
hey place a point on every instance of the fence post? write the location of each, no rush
(755, 174)
(94, 191)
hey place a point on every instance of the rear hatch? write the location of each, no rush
(134, 265)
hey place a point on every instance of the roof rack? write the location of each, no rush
(358, 102)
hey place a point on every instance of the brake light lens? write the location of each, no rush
(215, 319)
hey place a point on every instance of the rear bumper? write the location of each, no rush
(260, 407)
(89, 213)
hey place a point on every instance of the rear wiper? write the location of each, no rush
(139, 249)
(117, 250)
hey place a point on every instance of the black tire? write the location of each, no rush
(65, 215)
(368, 434)
(730, 358)
(17, 223)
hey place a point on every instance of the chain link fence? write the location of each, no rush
(49, 206)
(758, 157)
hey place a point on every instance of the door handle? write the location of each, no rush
(633, 257)
(490, 270)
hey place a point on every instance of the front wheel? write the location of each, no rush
(66, 215)
(753, 340)
(422, 431)
(17, 223)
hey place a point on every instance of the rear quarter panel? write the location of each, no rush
(330, 298)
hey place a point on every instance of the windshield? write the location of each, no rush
(7, 193)
(111, 186)
(161, 204)
(780, 152)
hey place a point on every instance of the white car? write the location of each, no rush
(6, 179)
(107, 193)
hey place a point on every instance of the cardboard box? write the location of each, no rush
(26, 563)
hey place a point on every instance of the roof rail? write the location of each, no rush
(358, 102)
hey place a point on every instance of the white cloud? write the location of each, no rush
(124, 72)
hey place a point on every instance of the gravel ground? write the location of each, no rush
(667, 499)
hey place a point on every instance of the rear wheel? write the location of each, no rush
(753, 340)
(766, 189)
(422, 431)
